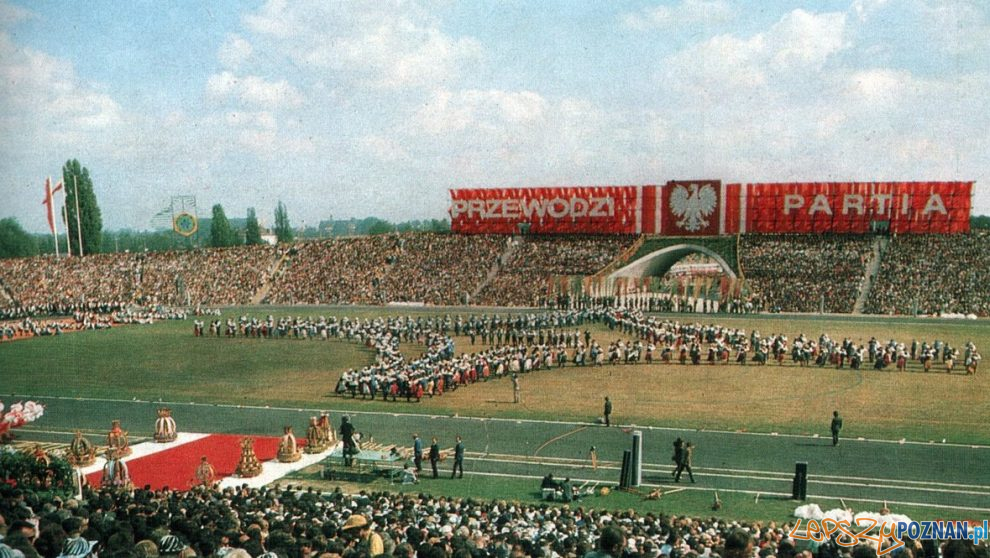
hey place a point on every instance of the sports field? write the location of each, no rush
(751, 423)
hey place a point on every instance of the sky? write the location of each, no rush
(354, 109)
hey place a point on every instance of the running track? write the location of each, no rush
(941, 476)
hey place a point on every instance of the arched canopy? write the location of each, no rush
(656, 264)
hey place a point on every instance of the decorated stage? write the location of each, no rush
(174, 464)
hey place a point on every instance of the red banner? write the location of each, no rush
(594, 210)
(691, 207)
(731, 209)
(708, 207)
(857, 207)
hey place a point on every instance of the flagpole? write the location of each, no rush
(75, 182)
(51, 213)
(65, 219)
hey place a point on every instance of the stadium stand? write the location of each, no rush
(934, 274)
(789, 273)
(212, 276)
(804, 273)
(523, 280)
(416, 267)
(43, 284)
(296, 521)
(43, 281)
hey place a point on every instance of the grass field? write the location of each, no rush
(164, 361)
(691, 503)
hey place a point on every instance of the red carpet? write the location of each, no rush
(176, 467)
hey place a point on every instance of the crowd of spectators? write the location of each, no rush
(418, 267)
(530, 275)
(216, 276)
(44, 285)
(298, 522)
(933, 274)
(804, 273)
(790, 273)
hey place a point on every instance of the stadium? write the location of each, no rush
(679, 367)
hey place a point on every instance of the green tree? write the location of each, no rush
(252, 231)
(439, 226)
(76, 180)
(221, 234)
(283, 230)
(15, 242)
(380, 226)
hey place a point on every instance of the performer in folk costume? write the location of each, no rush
(117, 439)
(81, 451)
(165, 430)
(288, 450)
(115, 473)
(206, 475)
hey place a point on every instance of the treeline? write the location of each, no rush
(979, 222)
(15, 242)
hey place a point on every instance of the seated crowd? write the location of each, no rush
(933, 274)
(804, 273)
(307, 523)
(790, 273)
(210, 276)
(43, 286)
(533, 263)
(422, 267)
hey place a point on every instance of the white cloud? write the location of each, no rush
(957, 27)
(685, 13)
(44, 97)
(805, 38)
(865, 8)
(378, 45)
(272, 19)
(234, 51)
(11, 14)
(728, 65)
(263, 119)
(720, 64)
(253, 90)
(489, 137)
(384, 149)
(879, 87)
(448, 111)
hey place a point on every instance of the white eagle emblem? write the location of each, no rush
(693, 208)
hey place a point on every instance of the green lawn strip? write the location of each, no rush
(691, 503)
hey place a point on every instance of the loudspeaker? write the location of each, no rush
(799, 490)
(624, 472)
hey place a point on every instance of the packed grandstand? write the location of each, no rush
(903, 275)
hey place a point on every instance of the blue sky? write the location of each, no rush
(377, 108)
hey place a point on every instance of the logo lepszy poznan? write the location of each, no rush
(693, 208)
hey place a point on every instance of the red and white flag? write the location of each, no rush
(49, 202)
